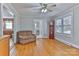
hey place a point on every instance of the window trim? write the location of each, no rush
(62, 26)
(4, 25)
(59, 25)
(68, 24)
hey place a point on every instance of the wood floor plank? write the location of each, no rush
(46, 47)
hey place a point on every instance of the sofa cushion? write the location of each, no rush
(23, 37)
(22, 33)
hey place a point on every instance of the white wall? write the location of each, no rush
(0, 22)
(76, 26)
(27, 23)
(45, 28)
(72, 39)
(6, 12)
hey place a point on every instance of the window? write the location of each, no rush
(59, 25)
(8, 24)
(64, 25)
(67, 24)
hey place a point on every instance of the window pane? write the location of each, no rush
(59, 25)
(59, 22)
(59, 29)
(67, 29)
(8, 24)
(67, 20)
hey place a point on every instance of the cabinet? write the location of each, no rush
(51, 30)
(7, 47)
(4, 45)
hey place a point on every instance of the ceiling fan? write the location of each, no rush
(46, 7)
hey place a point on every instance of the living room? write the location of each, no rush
(41, 33)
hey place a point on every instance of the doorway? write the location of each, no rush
(38, 28)
(7, 21)
(8, 26)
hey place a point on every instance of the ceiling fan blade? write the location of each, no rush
(50, 10)
(48, 6)
(51, 6)
(41, 4)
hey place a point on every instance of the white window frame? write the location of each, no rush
(67, 25)
(58, 25)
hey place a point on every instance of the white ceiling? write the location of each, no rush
(32, 9)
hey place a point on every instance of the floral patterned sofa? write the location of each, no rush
(25, 37)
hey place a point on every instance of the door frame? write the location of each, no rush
(40, 22)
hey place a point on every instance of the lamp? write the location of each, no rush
(44, 10)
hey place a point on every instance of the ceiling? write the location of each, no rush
(31, 9)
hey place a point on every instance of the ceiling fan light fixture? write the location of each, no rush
(44, 10)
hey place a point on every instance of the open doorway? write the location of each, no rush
(38, 28)
(7, 21)
(8, 26)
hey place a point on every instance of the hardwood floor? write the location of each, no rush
(46, 47)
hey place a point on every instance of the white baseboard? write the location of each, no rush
(76, 46)
(45, 37)
(68, 43)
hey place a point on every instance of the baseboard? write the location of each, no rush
(67, 43)
(76, 46)
(43, 38)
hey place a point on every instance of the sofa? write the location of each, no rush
(24, 37)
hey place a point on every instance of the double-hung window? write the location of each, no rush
(59, 25)
(67, 24)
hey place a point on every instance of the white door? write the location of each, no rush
(38, 28)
